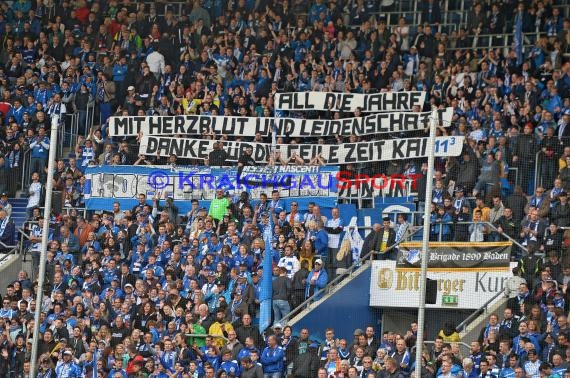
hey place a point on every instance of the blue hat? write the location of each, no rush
(567, 112)
(212, 274)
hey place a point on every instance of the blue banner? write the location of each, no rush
(519, 38)
(266, 292)
(303, 184)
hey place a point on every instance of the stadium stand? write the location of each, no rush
(162, 287)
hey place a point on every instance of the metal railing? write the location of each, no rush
(338, 280)
(26, 174)
(481, 310)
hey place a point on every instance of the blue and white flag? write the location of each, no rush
(519, 38)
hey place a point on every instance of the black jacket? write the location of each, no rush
(373, 241)
(306, 365)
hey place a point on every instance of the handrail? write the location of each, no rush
(461, 326)
(26, 169)
(337, 280)
(536, 168)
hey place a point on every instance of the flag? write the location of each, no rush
(267, 279)
(95, 374)
(273, 137)
(519, 38)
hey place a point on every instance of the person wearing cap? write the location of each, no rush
(317, 280)
(66, 367)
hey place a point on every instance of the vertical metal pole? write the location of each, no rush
(425, 245)
(45, 236)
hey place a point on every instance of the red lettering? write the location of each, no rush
(383, 180)
(344, 177)
(414, 177)
(399, 180)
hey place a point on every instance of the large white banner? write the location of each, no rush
(293, 127)
(392, 287)
(349, 102)
(389, 149)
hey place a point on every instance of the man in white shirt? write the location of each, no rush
(155, 61)
(289, 262)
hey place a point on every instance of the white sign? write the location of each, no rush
(378, 150)
(349, 102)
(293, 127)
(390, 287)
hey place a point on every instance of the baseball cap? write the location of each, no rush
(278, 325)
(4, 194)
(131, 88)
(129, 285)
(319, 261)
(67, 353)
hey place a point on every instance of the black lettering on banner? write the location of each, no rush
(138, 124)
(305, 129)
(167, 125)
(395, 121)
(164, 145)
(373, 101)
(415, 99)
(203, 149)
(363, 152)
(389, 101)
(410, 121)
(179, 126)
(333, 154)
(151, 146)
(414, 147)
(121, 125)
(403, 101)
(351, 155)
(178, 147)
(330, 101)
(154, 126)
(345, 102)
(285, 100)
(204, 124)
(423, 120)
(397, 146)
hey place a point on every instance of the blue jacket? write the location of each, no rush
(322, 242)
(40, 149)
(272, 360)
(9, 233)
(321, 282)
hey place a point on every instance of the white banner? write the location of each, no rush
(293, 127)
(349, 102)
(389, 149)
(391, 287)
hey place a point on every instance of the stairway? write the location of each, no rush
(18, 211)
(344, 307)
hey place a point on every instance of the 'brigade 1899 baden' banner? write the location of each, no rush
(446, 256)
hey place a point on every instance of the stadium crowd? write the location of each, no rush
(127, 286)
